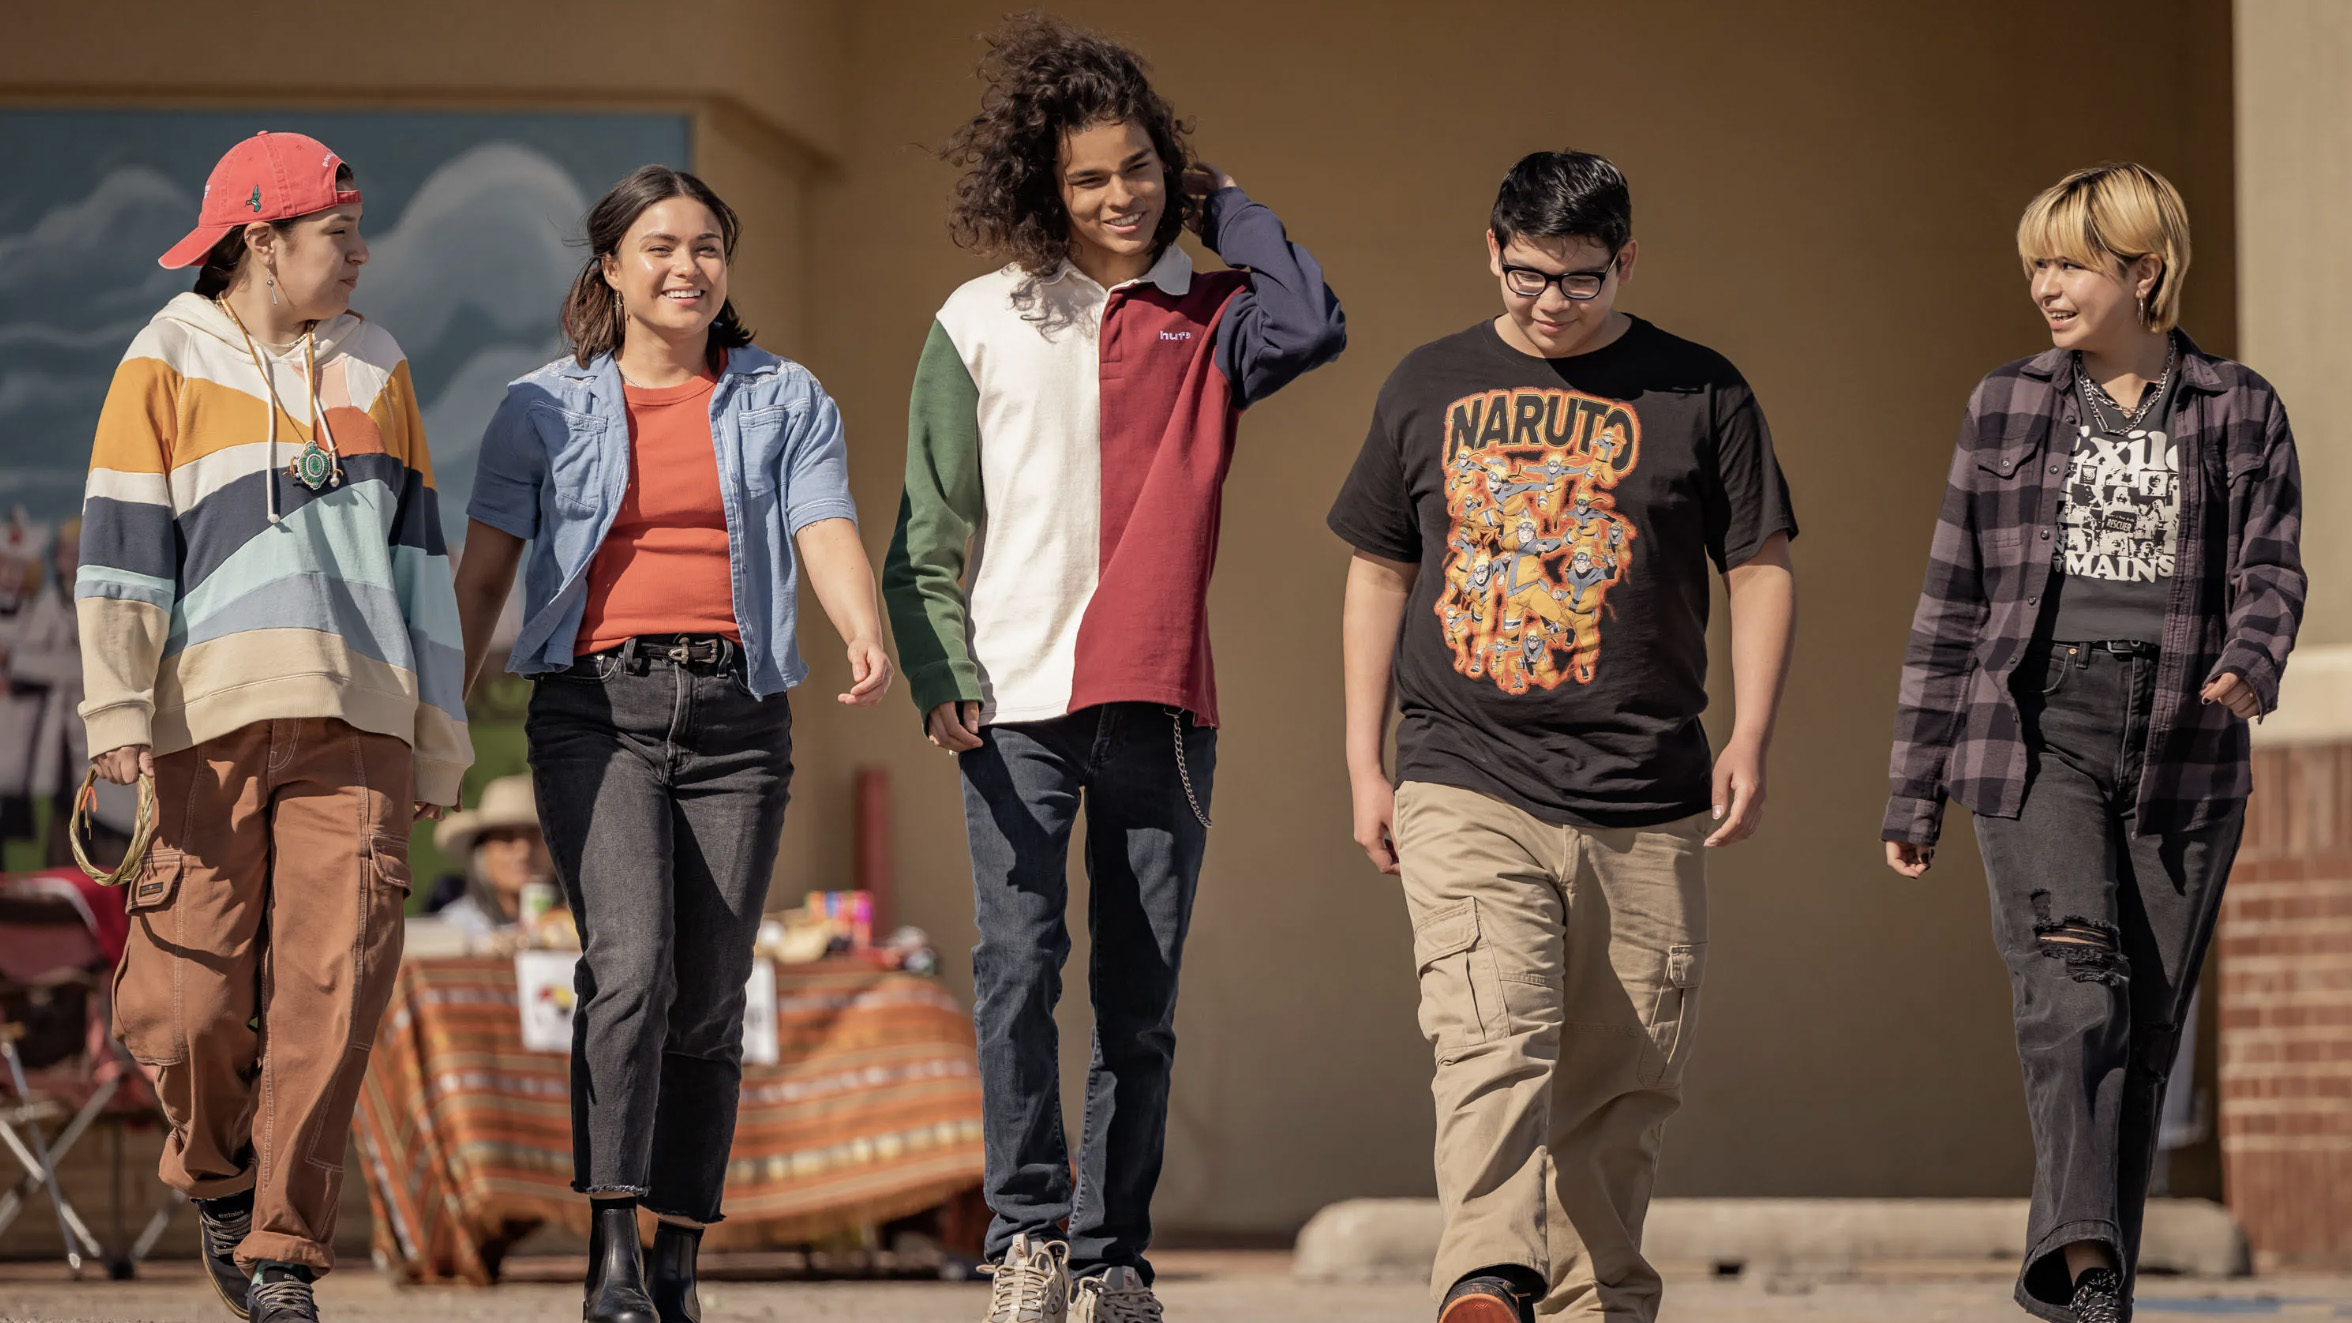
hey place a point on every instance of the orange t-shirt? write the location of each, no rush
(663, 567)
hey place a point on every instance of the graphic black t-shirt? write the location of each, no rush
(1564, 513)
(2121, 516)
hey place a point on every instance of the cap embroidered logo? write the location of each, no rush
(261, 178)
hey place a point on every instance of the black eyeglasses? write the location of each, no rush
(1529, 283)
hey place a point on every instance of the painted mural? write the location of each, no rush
(471, 219)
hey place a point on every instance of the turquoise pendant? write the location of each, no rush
(315, 468)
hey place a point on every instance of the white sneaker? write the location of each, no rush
(1118, 1296)
(1032, 1284)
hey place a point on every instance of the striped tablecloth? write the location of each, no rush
(872, 1113)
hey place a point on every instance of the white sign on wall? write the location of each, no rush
(544, 997)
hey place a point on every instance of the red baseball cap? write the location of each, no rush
(267, 177)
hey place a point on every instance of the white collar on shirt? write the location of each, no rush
(1172, 273)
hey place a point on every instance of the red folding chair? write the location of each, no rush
(60, 937)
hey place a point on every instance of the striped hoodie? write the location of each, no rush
(216, 590)
(1066, 456)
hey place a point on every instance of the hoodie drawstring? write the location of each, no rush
(269, 384)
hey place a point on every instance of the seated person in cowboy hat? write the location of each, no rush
(499, 841)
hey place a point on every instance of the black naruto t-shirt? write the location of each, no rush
(1564, 513)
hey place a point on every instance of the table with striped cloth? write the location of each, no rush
(871, 1113)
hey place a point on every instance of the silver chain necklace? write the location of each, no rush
(2093, 393)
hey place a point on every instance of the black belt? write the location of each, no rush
(692, 650)
(2112, 647)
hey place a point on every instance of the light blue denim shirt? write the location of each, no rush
(555, 465)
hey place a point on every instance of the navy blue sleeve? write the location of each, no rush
(1288, 321)
(511, 467)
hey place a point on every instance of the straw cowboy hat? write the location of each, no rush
(506, 802)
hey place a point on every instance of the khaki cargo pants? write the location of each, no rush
(1559, 978)
(265, 933)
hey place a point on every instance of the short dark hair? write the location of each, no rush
(1045, 79)
(1564, 195)
(592, 311)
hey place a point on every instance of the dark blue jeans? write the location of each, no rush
(2103, 930)
(1023, 789)
(661, 789)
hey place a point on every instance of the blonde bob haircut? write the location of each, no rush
(2108, 217)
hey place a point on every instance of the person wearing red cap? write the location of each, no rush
(269, 631)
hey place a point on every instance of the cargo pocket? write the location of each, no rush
(1461, 990)
(1672, 1012)
(146, 981)
(388, 856)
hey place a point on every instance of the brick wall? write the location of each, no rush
(2284, 958)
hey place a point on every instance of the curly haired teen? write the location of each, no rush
(1072, 422)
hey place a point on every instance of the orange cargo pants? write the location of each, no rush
(265, 933)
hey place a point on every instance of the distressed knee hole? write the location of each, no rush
(2088, 947)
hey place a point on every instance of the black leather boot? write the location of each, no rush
(670, 1277)
(616, 1273)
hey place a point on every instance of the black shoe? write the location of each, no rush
(224, 1223)
(1484, 1298)
(616, 1274)
(669, 1278)
(281, 1294)
(2098, 1297)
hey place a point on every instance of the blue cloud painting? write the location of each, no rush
(471, 220)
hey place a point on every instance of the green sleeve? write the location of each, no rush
(923, 577)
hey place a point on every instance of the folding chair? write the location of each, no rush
(58, 1060)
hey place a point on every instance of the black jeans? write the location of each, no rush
(661, 788)
(1022, 793)
(2103, 931)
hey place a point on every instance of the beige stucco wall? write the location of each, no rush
(2294, 152)
(2294, 183)
(1824, 192)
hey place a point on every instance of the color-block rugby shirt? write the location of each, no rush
(2236, 595)
(216, 590)
(1066, 454)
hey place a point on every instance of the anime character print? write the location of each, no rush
(1537, 541)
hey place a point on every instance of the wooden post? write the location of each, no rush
(875, 872)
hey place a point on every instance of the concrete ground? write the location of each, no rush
(1197, 1288)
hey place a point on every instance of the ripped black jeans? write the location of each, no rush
(2103, 931)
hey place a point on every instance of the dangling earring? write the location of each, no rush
(273, 286)
(2143, 311)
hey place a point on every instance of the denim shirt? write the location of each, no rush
(555, 465)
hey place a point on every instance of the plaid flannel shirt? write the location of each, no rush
(2237, 595)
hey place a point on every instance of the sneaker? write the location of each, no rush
(2098, 1297)
(1482, 1299)
(223, 1224)
(281, 1294)
(1118, 1296)
(1032, 1284)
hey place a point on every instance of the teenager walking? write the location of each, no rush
(1537, 512)
(265, 616)
(1072, 421)
(672, 480)
(2112, 590)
